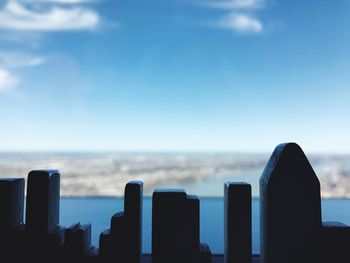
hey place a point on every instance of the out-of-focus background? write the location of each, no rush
(187, 93)
(105, 174)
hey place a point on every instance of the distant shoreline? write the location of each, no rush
(105, 174)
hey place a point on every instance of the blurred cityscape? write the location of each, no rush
(105, 174)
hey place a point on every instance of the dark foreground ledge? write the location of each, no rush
(216, 258)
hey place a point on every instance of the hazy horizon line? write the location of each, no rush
(157, 151)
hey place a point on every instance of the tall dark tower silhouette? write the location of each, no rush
(290, 207)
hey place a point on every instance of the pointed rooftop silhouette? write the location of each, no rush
(290, 204)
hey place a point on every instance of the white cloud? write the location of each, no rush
(235, 4)
(8, 81)
(25, 21)
(61, 1)
(240, 15)
(240, 23)
(10, 60)
(19, 59)
(17, 16)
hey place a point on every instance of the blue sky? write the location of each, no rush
(181, 75)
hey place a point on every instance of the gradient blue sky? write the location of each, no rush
(161, 75)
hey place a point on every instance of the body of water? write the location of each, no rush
(98, 212)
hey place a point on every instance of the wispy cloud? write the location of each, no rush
(62, 1)
(9, 61)
(19, 60)
(21, 20)
(235, 4)
(239, 15)
(8, 81)
(241, 23)
(17, 16)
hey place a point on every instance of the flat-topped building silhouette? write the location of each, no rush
(77, 240)
(238, 223)
(123, 241)
(43, 201)
(11, 216)
(290, 215)
(43, 235)
(11, 203)
(175, 228)
(335, 242)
